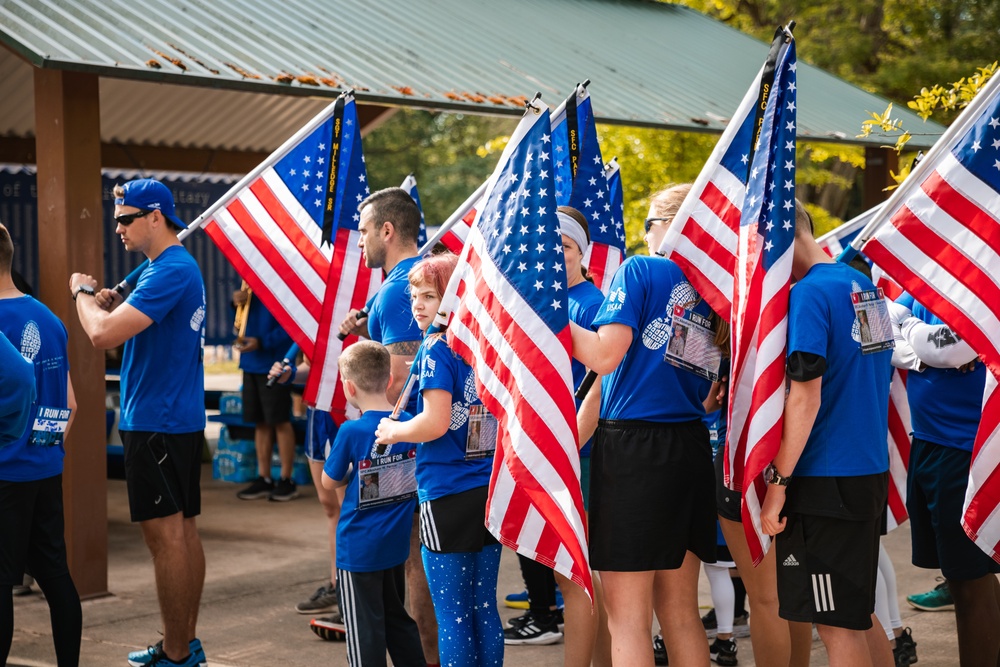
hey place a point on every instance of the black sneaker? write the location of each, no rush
(527, 617)
(323, 601)
(709, 621)
(660, 651)
(905, 652)
(331, 628)
(259, 488)
(723, 652)
(284, 490)
(535, 630)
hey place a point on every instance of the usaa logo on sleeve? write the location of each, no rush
(615, 300)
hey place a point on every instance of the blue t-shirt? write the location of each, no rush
(945, 403)
(390, 318)
(274, 342)
(585, 301)
(41, 338)
(443, 469)
(644, 387)
(162, 375)
(17, 393)
(716, 424)
(848, 438)
(372, 536)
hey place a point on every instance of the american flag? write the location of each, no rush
(349, 284)
(942, 244)
(509, 321)
(581, 182)
(702, 237)
(898, 440)
(760, 305)
(410, 185)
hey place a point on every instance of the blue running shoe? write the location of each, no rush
(152, 654)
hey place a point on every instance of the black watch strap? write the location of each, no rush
(83, 289)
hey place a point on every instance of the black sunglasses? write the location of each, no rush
(129, 218)
(648, 224)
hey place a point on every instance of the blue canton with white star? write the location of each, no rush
(589, 191)
(352, 175)
(979, 149)
(604, 233)
(305, 169)
(520, 227)
(770, 197)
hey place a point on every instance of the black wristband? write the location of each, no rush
(83, 289)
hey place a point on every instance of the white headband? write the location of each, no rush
(573, 229)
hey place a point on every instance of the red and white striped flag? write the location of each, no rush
(291, 233)
(702, 237)
(760, 294)
(942, 245)
(510, 323)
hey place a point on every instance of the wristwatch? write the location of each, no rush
(83, 289)
(772, 476)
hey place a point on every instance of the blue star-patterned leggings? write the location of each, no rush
(464, 590)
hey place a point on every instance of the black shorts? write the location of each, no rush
(935, 493)
(652, 496)
(456, 523)
(828, 563)
(163, 473)
(727, 501)
(263, 404)
(31, 530)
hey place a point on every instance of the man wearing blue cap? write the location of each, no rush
(162, 422)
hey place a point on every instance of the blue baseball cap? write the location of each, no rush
(150, 195)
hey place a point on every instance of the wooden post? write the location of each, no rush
(71, 239)
(879, 161)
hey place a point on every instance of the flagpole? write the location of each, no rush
(132, 278)
(919, 172)
(453, 218)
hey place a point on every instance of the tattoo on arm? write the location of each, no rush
(404, 348)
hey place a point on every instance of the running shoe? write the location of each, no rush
(154, 655)
(323, 601)
(536, 631)
(284, 490)
(660, 651)
(520, 600)
(331, 628)
(259, 488)
(741, 625)
(723, 652)
(527, 617)
(937, 599)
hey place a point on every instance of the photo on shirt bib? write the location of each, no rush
(872, 326)
(387, 479)
(481, 442)
(691, 344)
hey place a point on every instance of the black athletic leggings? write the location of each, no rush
(64, 611)
(540, 584)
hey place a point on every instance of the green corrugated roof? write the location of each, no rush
(652, 64)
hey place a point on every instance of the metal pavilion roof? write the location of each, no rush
(652, 64)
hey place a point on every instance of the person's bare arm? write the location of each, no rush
(402, 354)
(430, 424)
(801, 409)
(601, 351)
(106, 329)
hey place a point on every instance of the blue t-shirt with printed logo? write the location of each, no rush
(376, 537)
(946, 404)
(644, 387)
(585, 301)
(443, 469)
(848, 438)
(41, 338)
(273, 341)
(17, 392)
(390, 318)
(162, 374)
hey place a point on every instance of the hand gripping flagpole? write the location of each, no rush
(919, 173)
(130, 281)
(286, 363)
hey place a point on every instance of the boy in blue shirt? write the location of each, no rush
(827, 528)
(373, 533)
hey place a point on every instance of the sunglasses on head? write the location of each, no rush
(648, 224)
(129, 218)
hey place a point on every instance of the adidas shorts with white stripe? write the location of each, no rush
(827, 569)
